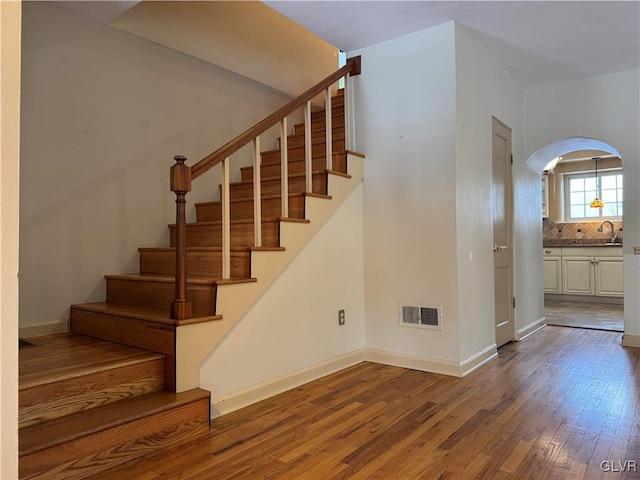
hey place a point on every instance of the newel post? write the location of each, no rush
(181, 185)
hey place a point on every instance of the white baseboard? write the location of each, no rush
(478, 360)
(631, 340)
(234, 401)
(415, 362)
(531, 329)
(41, 329)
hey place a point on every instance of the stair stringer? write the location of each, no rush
(195, 342)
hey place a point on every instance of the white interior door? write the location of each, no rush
(502, 218)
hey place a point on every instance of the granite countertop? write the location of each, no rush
(580, 242)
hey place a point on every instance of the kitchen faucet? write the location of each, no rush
(614, 235)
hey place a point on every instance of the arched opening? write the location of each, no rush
(581, 251)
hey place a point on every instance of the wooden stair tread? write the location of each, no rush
(63, 356)
(64, 429)
(149, 314)
(294, 175)
(264, 197)
(316, 139)
(191, 279)
(250, 220)
(193, 249)
(316, 156)
(219, 249)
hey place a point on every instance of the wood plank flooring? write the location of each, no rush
(555, 406)
(599, 316)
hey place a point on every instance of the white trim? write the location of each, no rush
(242, 398)
(234, 401)
(534, 327)
(414, 362)
(40, 329)
(631, 340)
(478, 360)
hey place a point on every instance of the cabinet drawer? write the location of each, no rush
(551, 251)
(591, 251)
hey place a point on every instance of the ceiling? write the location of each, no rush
(540, 43)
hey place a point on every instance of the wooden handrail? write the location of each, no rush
(352, 67)
(182, 175)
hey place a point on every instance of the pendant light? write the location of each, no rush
(596, 202)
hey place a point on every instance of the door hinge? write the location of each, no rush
(512, 159)
(514, 302)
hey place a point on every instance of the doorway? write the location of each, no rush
(502, 233)
(583, 274)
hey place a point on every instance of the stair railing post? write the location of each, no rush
(181, 184)
(257, 194)
(284, 168)
(226, 222)
(347, 112)
(328, 128)
(308, 149)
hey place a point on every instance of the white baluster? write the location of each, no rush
(308, 149)
(284, 168)
(226, 222)
(347, 113)
(328, 128)
(257, 194)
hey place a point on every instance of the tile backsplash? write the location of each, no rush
(578, 231)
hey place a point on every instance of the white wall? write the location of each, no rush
(605, 108)
(103, 113)
(295, 324)
(10, 27)
(483, 89)
(405, 124)
(274, 50)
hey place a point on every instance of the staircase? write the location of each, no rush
(124, 380)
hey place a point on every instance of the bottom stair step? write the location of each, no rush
(89, 442)
(66, 373)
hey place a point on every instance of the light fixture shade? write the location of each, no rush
(596, 203)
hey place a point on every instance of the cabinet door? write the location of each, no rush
(552, 274)
(545, 196)
(609, 276)
(578, 275)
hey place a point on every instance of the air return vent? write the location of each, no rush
(420, 316)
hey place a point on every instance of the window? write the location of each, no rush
(582, 188)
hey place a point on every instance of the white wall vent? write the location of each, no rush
(420, 316)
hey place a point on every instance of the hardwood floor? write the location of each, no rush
(599, 316)
(557, 405)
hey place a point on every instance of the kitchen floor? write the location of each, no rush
(597, 316)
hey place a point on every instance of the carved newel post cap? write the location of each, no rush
(180, 175)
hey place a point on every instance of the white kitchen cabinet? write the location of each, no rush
(592, 271)
(609, 276)
(552, 270)
(578, 276)
(545, 196)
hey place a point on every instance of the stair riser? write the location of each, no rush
(272, 186)
(127, 331)
(114, 446)
(337, 112)
(319, 139)
(318, 127)
(297, 167)
(298, 153)
(241, 235)
(160, 294)
(71, 395)
(243, 210)
(198, 263)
